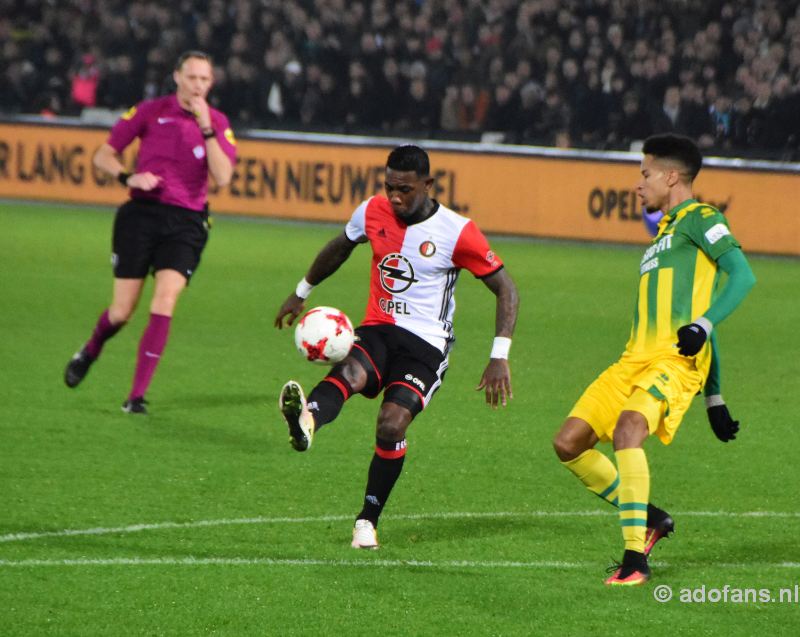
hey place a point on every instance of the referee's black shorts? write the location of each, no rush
(151, 236)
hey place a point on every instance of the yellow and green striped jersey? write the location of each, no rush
(678, 276)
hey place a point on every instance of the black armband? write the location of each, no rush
(208, 133)
(123, 177)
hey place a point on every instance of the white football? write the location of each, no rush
(324, 335)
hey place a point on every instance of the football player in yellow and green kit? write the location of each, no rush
(668, 357)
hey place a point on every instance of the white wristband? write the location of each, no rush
(500, 347)
(715, 400)
(705, 324)
(303, 289)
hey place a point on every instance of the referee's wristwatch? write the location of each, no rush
(208, 133)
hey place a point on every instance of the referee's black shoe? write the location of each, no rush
(135, 406)
(77, 368)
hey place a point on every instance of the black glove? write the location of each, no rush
(691, 339)
(725, 428)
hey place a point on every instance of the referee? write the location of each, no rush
(163, 227)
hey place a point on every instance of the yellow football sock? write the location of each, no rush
(634, 493)
(597, 472)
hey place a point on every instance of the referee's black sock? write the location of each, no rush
(326, 399)
(385, 468)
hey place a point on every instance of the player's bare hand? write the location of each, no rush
(496, 383)
(292, 307)
(144, 181)
(200, 110)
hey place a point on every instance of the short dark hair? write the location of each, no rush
(409, 158)
(677, 148)
(187, 55)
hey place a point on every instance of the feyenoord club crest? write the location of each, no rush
(397, 274)
(427, 248)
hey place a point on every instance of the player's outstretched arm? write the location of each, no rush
(335, 252)
(496, 378)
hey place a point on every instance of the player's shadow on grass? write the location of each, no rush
(534, 529)
(211, 401)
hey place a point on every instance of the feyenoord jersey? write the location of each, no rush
(414, 268)
(679, 276)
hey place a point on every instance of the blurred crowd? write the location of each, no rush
(568, 73)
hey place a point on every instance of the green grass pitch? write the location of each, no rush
(199, 519)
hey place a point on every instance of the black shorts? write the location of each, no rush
(407, 367)
(151, 236)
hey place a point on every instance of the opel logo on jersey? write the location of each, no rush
(397, 274)
(427, 248)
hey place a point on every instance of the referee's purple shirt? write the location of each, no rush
(171, 147)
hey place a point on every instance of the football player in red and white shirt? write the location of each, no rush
(419, 248)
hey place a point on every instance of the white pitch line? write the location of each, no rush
(356, 563)
(266, 561)
(135, 528)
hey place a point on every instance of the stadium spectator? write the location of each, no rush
(84, 81)
(472, 107)
(504, 111)
(668, 117)
(589, 122)
(531, 102)
(695, 120)
(633, 124)
(420, 111)
(555, 118)
(448, 114)
(722, 121)
(392, 87)
(19, 85)
(405, 338)
(742, 118)
(120, 83)
(163, 228)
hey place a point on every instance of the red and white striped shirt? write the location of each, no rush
(415, 267)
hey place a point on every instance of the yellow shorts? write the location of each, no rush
(659, 385)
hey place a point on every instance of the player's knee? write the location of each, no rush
(164, 303)
(121, 312)
(393, 421)
(565, 446)
(393, 431)
(574, 437)
(631, 430)
(351, 371)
